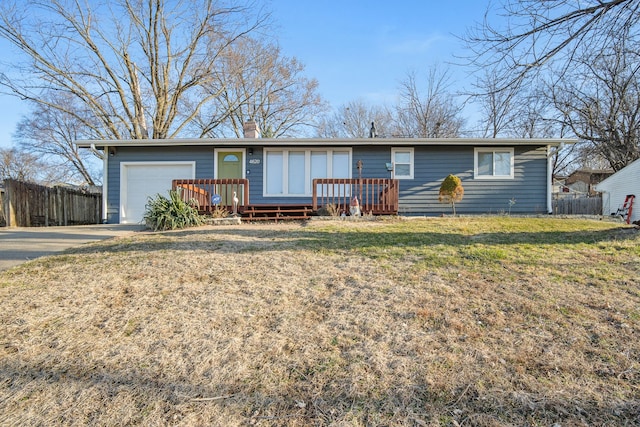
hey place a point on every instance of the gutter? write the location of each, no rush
(95, 151)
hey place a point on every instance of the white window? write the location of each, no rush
(402, 159)
(290, 172)
(273, 180)
(493, 163)
(296, 168)
(340, 166)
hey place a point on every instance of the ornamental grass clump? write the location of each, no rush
(451, 191)
(330, 209)
(171, 213)
(219, 212)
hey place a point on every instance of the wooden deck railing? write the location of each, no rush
(378, 196)
(211, 192)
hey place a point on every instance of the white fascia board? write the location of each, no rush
(353, 142)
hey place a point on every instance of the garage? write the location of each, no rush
(141, 180)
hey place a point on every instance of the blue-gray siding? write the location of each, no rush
(418, 196)
(203, 156)
(528, 188)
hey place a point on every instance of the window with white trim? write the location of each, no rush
(290, 172)
(402, 159)
(493, 163)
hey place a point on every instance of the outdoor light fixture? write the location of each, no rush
(251, 151)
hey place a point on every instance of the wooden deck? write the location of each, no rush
(376, 196)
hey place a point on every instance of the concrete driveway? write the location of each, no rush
(18, 245)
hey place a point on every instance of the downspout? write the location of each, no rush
(549, 180)
(105, 163)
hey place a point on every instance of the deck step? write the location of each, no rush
(277, 212)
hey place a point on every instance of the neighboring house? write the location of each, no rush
(582, 181)
(498, 175)
(618, 186)
(559, 185)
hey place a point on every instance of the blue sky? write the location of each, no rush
(356, 49)
(361, 49)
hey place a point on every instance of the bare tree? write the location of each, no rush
(138, 66)
(498, 108)
(18, 165)
(538, 33)
(523, 112)
(431, 113)
(50, 133)
(29, 167)
(355, 120)
(256, 82)
(534, 116)
(570, 45)
(600, 103)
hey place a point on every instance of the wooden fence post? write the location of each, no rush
(59, 215)
(3, 197)
(46, 207)
(98, 208)
(65, 207)
(10, 211)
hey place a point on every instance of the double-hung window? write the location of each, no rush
(290, 172)
(402, 159)
(493, 163)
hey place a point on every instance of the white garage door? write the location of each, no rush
(139, 181)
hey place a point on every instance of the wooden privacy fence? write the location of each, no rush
(378, 196)
(577, 206)
(33, 205)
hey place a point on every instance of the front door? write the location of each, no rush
(230, 166)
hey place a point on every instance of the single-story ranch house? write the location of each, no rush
(388, 175)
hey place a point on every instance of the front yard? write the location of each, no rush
(439, 322)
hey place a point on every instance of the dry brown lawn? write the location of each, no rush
(431, 322)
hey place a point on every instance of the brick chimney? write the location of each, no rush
(250, 129)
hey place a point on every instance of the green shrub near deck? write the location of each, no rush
(171, 213)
